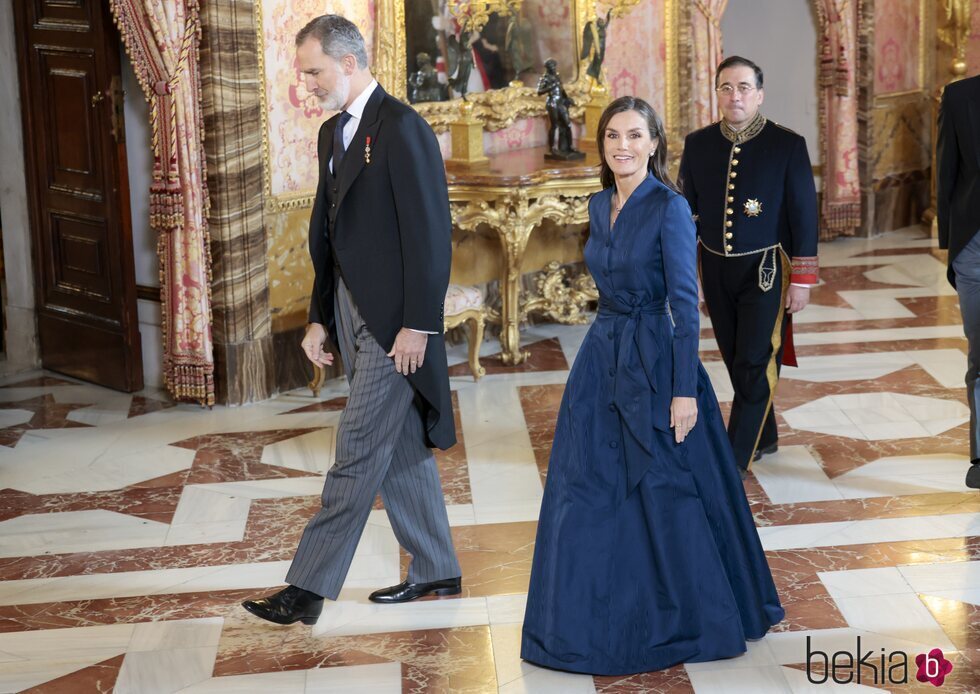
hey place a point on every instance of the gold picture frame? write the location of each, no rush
(495, 109)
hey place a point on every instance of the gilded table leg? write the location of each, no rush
(513, 239)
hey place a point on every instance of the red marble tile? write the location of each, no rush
(540, 405)
(141, 405)
(100, 677)
(235, 457)
(545, 355)
(48, 414)
(673, 680)
(156, 504)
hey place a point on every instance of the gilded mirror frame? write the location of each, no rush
(497, 108)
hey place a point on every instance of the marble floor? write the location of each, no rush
(131, 527)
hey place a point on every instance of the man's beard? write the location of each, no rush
(337, 98)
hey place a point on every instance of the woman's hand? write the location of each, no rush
(683, 417)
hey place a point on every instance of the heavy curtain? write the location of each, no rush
(840, 213)
(162, 39)
(706, 36)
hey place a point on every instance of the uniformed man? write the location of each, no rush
(750, 187)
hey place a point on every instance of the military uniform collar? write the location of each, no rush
(745, 134)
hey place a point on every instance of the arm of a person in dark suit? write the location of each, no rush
(678, 244)
(418, 181)
(801, 206)
(947, 168)
(684, 180)
(321, 298)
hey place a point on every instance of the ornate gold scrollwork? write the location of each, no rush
(473, 15)
(956, 32)
(559, 299)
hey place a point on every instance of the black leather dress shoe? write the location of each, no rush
(973, 476)
(764, 450)
(288, 606)
(406, 591)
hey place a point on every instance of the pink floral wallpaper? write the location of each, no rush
(896, 35)
(636, 54)
(293, 116)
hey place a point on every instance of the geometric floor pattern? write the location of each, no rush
(131, 527)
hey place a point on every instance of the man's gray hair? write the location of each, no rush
(337, 35)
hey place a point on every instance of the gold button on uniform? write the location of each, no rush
(728, 248)
(737, 150)
(734, 162)
(728, 235)
(729, 211)
(733, 174)
(731, 198)
(731, 186)
(728, 223)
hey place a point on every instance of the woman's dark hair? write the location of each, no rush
(657, 164)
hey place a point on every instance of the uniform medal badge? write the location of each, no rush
(753, 208)
(367, 151)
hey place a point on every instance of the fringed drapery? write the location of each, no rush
(706, 37)
(840, 213)
(162, 39)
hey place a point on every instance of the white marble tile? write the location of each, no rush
(373, 571)
(757, 655)
(379, 678)
(22, 675)
(901, 475)
(815, 313)
(343, 618)
(900, 616)
(509, 511)
(10, 418)
(177, 634)
(288, 682)
(200, 504)
(947, 366)
(720, 380)
(846, 367)
(165, 671)
(507, 609)
(850, 337)
(928, 578)
(799, 684)
(868, 531)
(765, 680)
(855, 583)
(312, 452)
(95, 643)
(917, 270)
(515, 676)
(62, 472)
(132, 583)
(269, 489)
(77, 531)
(793, 475)
(967, 595)
(196, 533)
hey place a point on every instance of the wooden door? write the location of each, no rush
(74, 145)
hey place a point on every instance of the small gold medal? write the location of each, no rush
(753, 208)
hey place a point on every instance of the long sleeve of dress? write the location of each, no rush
(679, 248)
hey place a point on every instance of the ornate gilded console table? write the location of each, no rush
(512, 198)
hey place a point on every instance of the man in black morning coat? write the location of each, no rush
(750, 187)
(958, 217)
(380, 243)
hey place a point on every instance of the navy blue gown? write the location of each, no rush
(647, 554)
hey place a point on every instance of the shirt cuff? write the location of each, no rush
(797, 284)
(424, 332)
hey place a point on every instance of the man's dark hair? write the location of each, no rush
(337, 35)
(735, 61)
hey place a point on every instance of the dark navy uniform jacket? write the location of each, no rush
(753, 193)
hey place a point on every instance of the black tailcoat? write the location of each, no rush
(958, 164)
(386, 224)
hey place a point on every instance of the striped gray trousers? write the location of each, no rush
(380, 447)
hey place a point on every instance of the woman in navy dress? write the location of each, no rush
(647, 554)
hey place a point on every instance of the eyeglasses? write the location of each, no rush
(728, 90)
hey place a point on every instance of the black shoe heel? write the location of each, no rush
(310, 621)
(448, 591)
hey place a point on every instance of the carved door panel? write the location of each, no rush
(74, 142)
